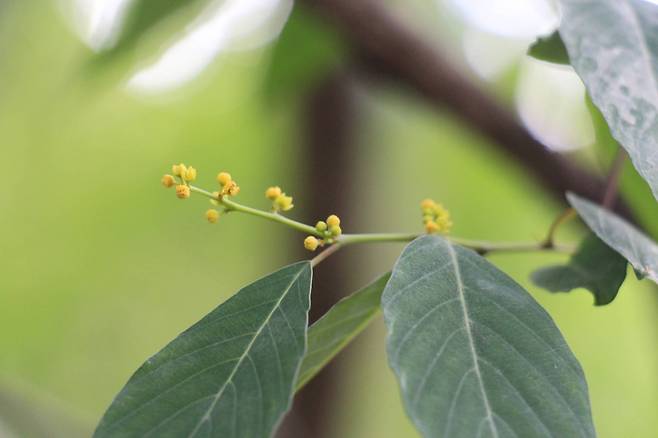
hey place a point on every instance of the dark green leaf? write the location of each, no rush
(474, 353)
(595, 266)
(144, 15)
(305, 51)
(232, 374)
(613, 46)
(550, 49)
(640, 251)
(346, 319)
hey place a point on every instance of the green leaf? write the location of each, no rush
(144, 15)
(640, 251)
(549, 48)
(232, 374)
(595, 266)
(474, 353)
(613, 46)
(304, 52)
(346, 319)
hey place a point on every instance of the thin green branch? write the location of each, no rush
(275, 217)
(482, 247)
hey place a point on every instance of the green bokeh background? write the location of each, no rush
(101, 266)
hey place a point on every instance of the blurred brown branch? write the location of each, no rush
(390, 49)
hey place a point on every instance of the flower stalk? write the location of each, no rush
(436, 219)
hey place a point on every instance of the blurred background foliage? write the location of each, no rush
(101, 266)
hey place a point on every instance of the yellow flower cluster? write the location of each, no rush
(329, 229)
(185, 175)
(280, 201)
(228, 186)
(436, 218)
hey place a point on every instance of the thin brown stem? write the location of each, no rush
(324, 254)
(612, 182)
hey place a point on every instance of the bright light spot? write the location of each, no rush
(511, 18)
(226, 25)
(490, 55)
(551, 102)
(98, 22)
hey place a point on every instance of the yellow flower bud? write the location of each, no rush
(311, 243)
(182, 191)
(233, 188)
(321, 226)
(283, 202)
(335, 230)
(168, 181)
(224, 178)
(273, 192)
(178, 169)
(427, 203)
(431, 227)
(190, 174)
(212, 215)
(333, 220)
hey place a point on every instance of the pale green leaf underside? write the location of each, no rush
(346, 319)
(232, 374)
(613, 46)
(640, 251)
(595, 266)
(474, 354)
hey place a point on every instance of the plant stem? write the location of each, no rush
(612, 183)
(567, 214)
(324, 254)
(482, 247)
(234, 206)
(477, 245)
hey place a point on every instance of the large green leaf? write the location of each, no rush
(550, 49)
(346, 319)
(613, 45)
(232, 374)
(595, 266)
(640, 251)
(475, 355)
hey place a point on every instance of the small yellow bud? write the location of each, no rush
(431, 227)
(335, 230)
(215, 197)
(168, 181)
(321, 226)
(182, 191)
(273, 192)
(224, 178)
(233, 188)
(212, 215)
(283, 202)
(178, 169)
(427, 204)
(333, 220)
(190, 174)
(311, 243)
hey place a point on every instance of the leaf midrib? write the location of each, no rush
(245, 353)
(469, 335)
